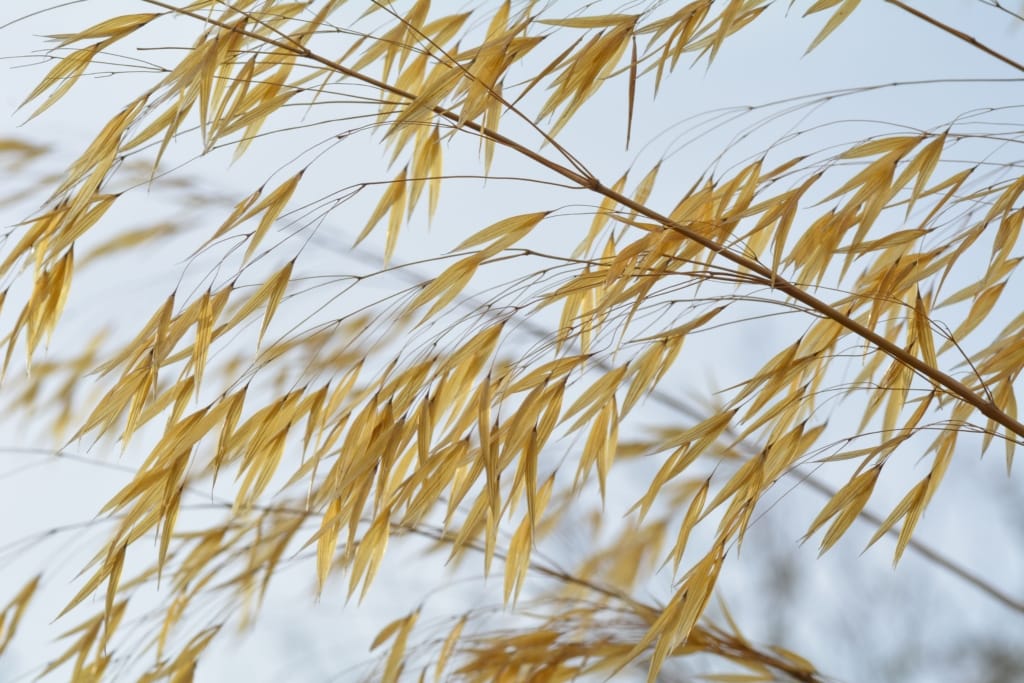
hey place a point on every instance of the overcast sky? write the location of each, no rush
(879, 45)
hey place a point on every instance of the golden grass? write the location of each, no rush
(371, 442)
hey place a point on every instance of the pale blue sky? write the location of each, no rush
(878, 45)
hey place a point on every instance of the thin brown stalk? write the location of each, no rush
(899, 354)
(936, 375)
(960, 35)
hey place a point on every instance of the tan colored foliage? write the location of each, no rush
(419, 414)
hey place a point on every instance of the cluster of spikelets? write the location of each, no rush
(356, 442)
